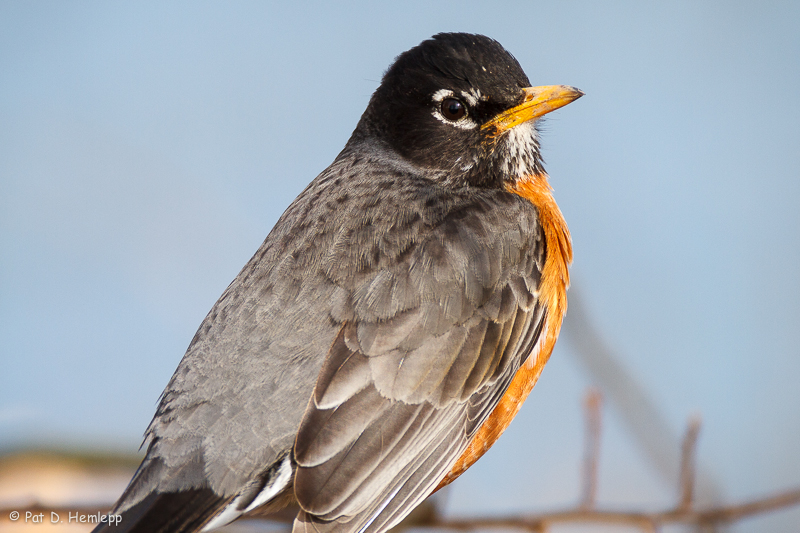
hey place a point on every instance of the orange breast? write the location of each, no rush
(553, 296)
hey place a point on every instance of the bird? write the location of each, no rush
(391, 324)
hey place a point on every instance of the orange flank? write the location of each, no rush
(553, 296)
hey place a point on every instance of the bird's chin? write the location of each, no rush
(516, 153)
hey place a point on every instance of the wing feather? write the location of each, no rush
(404, 394)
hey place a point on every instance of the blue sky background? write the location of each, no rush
(147, 149)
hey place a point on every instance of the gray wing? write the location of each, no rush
(428, 347)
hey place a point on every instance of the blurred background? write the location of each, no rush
(146, 150)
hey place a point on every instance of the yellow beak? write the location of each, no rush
(538, 101)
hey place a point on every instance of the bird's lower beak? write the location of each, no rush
(538, 101)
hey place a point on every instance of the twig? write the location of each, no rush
(647, 423)
(645, 521)
(591, 457)
(688, 462)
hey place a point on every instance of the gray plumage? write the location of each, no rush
(354, 357)
(416, 309)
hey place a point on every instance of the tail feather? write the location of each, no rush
(171, 512)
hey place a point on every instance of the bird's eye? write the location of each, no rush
(453, 109)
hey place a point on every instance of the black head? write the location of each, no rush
(437, 104)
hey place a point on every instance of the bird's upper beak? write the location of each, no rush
(538, 101)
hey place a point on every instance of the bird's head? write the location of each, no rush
(460, 107)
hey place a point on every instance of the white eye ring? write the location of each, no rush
(462, 121)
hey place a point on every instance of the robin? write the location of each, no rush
(391, 324)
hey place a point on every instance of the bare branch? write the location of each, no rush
(644, 521)
(688, 463)
(648, 425)
(591, 457)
